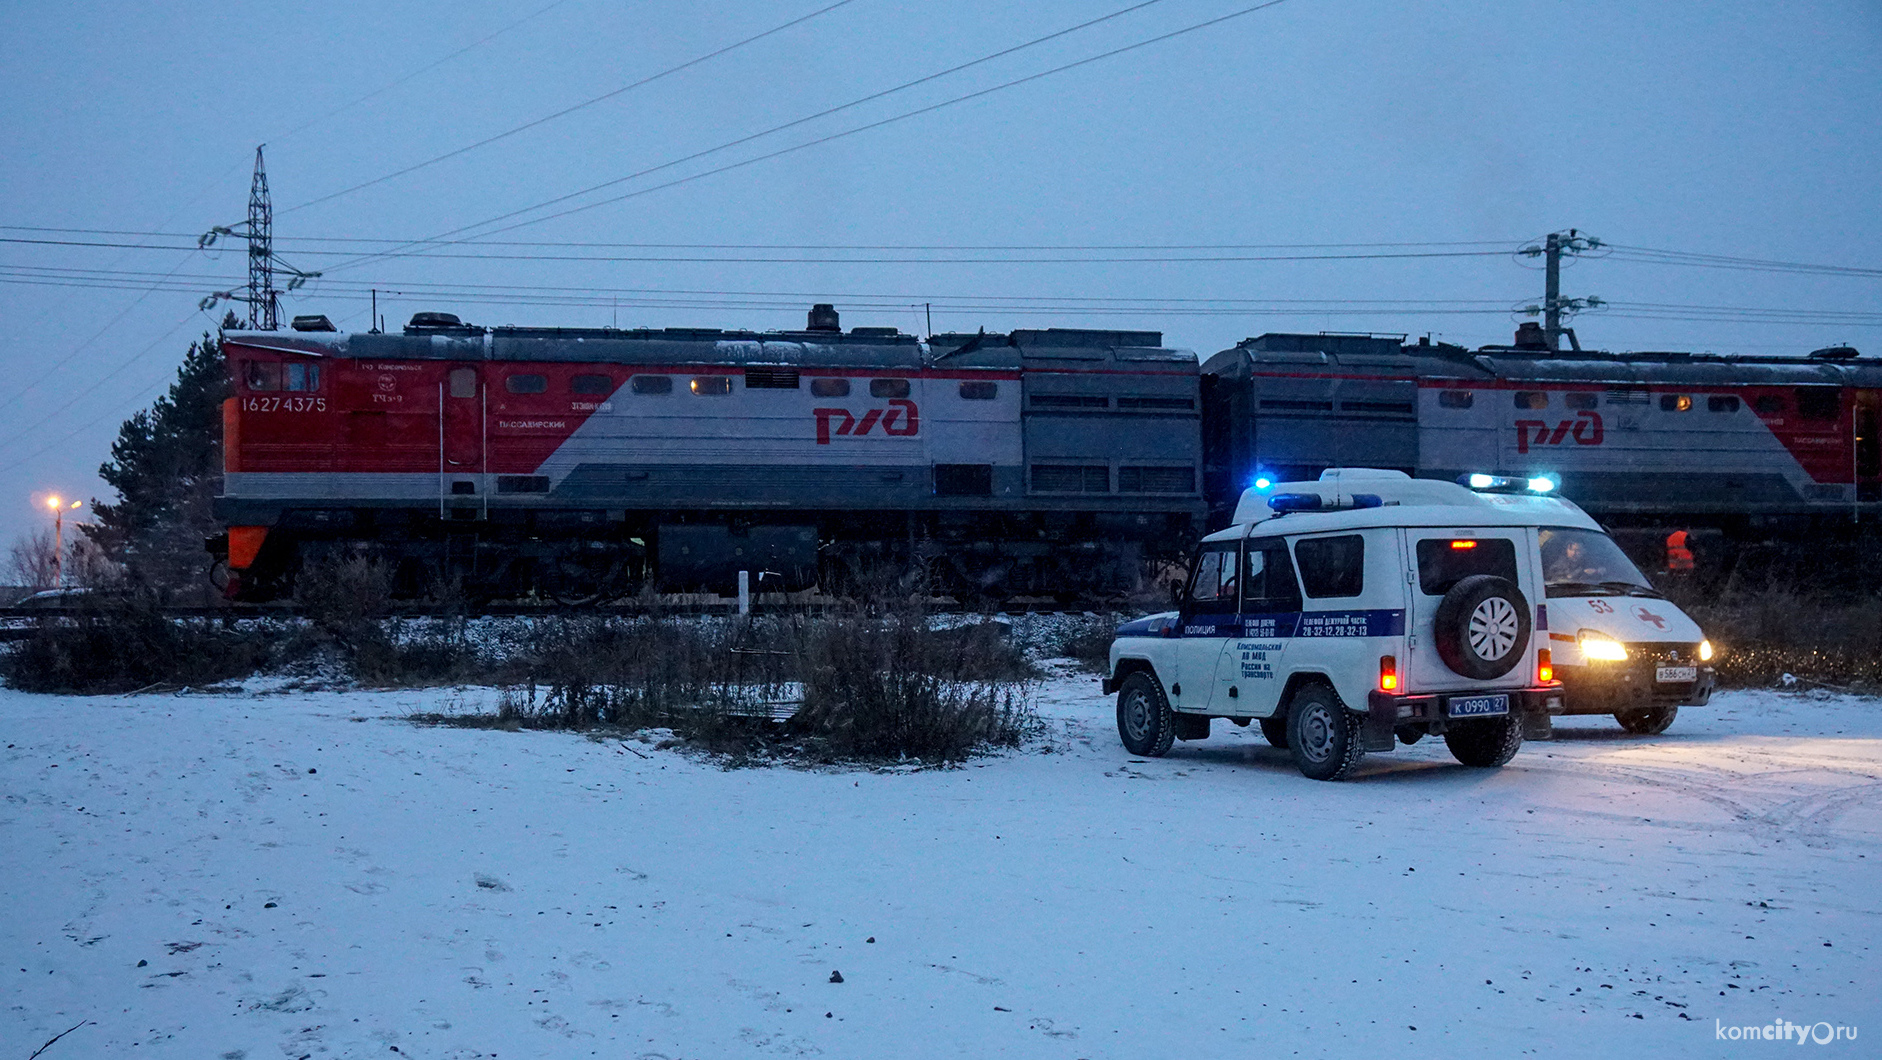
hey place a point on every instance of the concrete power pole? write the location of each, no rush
(1551, 286)
(1554, 307)
(264, 302)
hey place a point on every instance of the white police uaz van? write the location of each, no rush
(1352, 612)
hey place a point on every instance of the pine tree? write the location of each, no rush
(166, 467)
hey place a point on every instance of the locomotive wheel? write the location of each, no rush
(573, 583)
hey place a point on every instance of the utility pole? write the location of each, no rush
(1551, 289)
(1554, 307)
(264, 303)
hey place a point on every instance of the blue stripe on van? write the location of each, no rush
(1382, 622)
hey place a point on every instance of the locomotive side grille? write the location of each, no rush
(1395, 408)
(522, 483)
(1070, 401)
(768, 378)
(1072, 478)
(1156, 480)
(1294, 405)
(1156, 403)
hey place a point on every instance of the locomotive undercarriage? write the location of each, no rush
(578, 558)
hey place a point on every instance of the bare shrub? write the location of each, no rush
(856, 686)
(123, 643)
(1764, 635)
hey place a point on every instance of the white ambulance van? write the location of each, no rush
(1356, 611)
(1619, 646)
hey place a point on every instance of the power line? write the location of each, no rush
(850, 132)
(570, 110)
(1721, 261)
(381, 90)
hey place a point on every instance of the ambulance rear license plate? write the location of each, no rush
(1479, 706)
(1675, 674)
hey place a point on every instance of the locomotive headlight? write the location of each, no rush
(1599, 647)
(1705, 651)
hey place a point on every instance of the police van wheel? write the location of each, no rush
(1144, 720)
(1481, 628)
(1651, 721)
(1275, 729)
(1485, 743)
(1322, 734)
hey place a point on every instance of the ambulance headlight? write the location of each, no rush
(1705, 651)
(1599, 647)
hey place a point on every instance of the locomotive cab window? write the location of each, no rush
(652, 384)
(1532, 399)
(591, 384)
(526, 384)
(1722, 403)
(708, 385)
(463, 382)
(979, 390)
(888, 388)
(1581, 399)
(1818, 403)
(1769, 405)
(830, 387)
(272, 375)
(1456, 399)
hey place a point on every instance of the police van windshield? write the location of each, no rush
(1588, 563)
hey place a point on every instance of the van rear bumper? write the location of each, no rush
(1386, 712)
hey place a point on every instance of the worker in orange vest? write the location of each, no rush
(1678, 553)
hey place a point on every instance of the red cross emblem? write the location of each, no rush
(1647, 616)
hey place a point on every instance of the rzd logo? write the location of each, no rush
(901, 419)
(1585, 428)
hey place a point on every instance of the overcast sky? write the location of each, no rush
(1744, 130)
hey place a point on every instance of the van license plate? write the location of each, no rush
(1676, 674)
(1479, 706)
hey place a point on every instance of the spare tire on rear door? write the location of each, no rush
(1482, 627)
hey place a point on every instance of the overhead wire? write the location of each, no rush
(651, 78)
(834, 110)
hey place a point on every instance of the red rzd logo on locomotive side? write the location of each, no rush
(1585, 428)
(901, 419)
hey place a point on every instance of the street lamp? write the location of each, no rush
(59, 508)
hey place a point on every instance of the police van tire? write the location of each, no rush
(1322, 734)
(1650, 721)
(1144, 720)
(1482, 627)
(1485, 743)
(1275, 731)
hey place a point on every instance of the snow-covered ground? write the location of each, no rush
(307, 875)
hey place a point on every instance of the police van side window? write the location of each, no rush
(1268, 583)
(1214, 584)
(1443, 562)
(1332, 566)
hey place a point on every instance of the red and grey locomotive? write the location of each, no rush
(578, 463)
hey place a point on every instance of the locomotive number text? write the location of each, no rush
(284, 404)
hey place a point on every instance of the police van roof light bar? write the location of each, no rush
(1483, 483)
